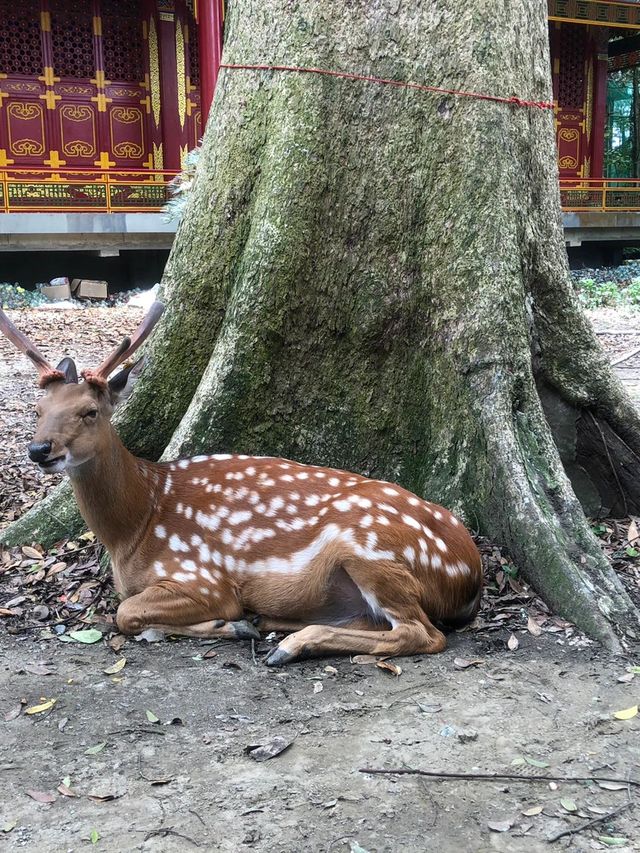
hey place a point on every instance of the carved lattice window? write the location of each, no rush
(72, 39)
(20, 44)
(573, 46)
(194, 56)
(122, 41)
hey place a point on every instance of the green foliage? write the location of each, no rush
(14, 296)
(180, 186)
(608, 294)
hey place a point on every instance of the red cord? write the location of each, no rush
(516, 102)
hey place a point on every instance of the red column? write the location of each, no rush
(169, 119)
(210, 47)
(600, 72)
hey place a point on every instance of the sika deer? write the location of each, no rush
(346, 563)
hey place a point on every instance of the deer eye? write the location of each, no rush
(90, 416)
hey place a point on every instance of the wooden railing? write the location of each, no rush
(610, 194)
(47, 190)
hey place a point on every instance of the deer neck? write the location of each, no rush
(116, 495)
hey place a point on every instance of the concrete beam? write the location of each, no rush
(59, 232)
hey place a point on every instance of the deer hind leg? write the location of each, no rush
(173, 612)
(392, 596)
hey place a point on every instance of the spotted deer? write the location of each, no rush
(224, 545)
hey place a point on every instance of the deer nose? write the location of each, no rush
(39, 450)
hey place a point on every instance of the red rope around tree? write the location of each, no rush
(516, 102)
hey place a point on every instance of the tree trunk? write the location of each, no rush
(375, 278)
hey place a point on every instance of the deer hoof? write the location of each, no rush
(279, 657)
(243, 630)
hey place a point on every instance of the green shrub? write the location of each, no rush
(14, 296)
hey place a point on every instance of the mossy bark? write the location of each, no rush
(374, 278)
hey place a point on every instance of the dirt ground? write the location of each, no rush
(155, 754)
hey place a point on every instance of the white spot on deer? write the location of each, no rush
(172, 467)
(366, 521)
(217, 487)
(334, 481)
(167, 484)
(204, 590)
(436, 561)
(428, 533)
(369, 551)
(294, 496)
(209, 522)
(291, 509)
(274, 505)
(188, 566)
(229, 475)
(342, 506)
(297, 524)
(413, 501)
(382, 519)
(454, 521)
(303, 475)
(240, 516)
(160, 531)
(226, 537)
(312, 500)
(424, 559)
(184, 463)
(183, 577)
(364, 503)
(239, 475)
(223, 511)
(388, 508)
(253, 498)
(422, 544)
(312, 521)
(320, 475)
(285, 465)
(241, 493)
(216, 557)
(391, 492)
(324, 510)
(159, 569)
(286, 478)
(440, 545)
(409, 554)
(242, 456)
(206, 575)
(204, 553)
(268, 482)
(411, 522)
(437, 515)
(250, 471)
(261, 533)
(221, 457)
(196, 540)
(188, 511)
(177, 544)
(229, 562)
(179, 509)
(299, 559)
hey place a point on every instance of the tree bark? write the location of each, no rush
(375, 278)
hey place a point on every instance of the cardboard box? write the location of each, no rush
(56, 292)
(86, 288)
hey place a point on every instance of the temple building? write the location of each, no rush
(101, 99)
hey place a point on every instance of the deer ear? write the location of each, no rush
(122, 384)
(68, 367)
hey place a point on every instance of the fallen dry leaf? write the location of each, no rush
(365, 659)
(318, 687)
(116, 667)
(512, 643)
(533, 627)
(627, 713)
(39, 709)
(534, 810)
(393, 668)
(499, 825)
(463, 663)
(30, 552)
(13, 713)
(265, 751)
(42, 796)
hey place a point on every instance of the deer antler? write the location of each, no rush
(126, 349)
(46, 372)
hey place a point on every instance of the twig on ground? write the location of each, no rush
(576, 829)
(543, 777)
(164, 831)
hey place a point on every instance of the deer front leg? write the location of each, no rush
(174, 612)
